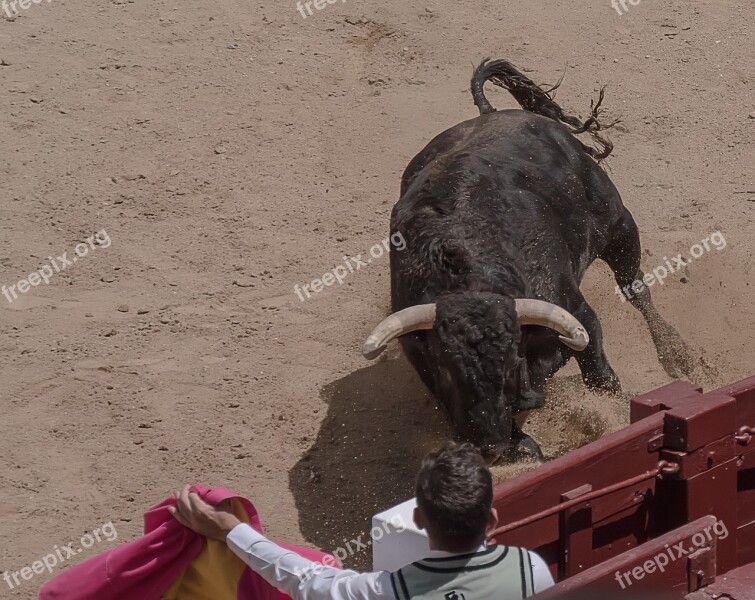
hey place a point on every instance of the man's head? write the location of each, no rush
(454, 498)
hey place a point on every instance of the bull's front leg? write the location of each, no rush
(592, 361)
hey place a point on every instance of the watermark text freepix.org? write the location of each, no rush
(354, 263)
(661, 560)
(351, 548)
(59, 555)
(671, 266)
(318, 4)
(9, 5)
(620, 6)
(57, 264)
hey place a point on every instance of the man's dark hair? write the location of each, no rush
(455, 493)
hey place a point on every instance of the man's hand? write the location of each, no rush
(214, 522)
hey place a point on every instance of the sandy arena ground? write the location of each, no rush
(231, 150)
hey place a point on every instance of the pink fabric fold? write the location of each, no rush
(147, 567)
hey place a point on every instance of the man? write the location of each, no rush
(454, 492)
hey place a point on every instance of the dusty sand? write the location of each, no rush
(232, 150)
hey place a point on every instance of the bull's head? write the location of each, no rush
(473, 362)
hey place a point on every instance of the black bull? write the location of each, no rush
(497, 210)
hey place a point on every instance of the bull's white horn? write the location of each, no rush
(528, 311)
(421, 316)
(537, 312)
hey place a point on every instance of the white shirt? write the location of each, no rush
(304, 580)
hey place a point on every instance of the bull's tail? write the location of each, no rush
(533, 98)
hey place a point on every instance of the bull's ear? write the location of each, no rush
(399, 323)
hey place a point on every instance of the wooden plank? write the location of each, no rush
(745, 535)
(615, 457)
(576, 534)
(700, 421)
(744, 392)
(738, 584)
(660, 564)
(746, 487)
(663, 398)
(715, 480)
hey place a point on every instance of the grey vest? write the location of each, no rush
(496, 573)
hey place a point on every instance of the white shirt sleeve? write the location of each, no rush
(303, 579)
(541, 574)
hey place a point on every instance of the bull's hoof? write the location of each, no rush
(528, 449)
(531, 399)
(524, 450)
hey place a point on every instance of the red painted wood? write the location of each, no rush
(738, 584)
(660, 399)
(615, 457)
(700, 420)
(576, 533)
(625, 515)
(641, 568)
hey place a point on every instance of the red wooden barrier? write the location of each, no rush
(660, 564)
(685, 460)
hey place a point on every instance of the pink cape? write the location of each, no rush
(147, 567)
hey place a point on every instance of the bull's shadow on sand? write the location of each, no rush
(381, 421)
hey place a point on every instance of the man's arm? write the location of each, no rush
(300, 578)
(303, 579)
